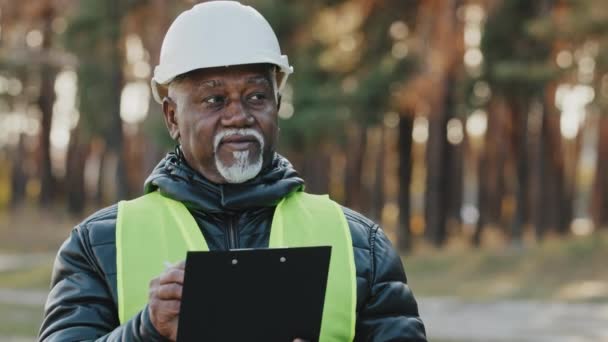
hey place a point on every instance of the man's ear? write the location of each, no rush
(170, 116)
(279, 97)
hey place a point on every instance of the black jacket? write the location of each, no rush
(82, 304)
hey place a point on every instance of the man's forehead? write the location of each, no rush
(215, 77)
(214, 81)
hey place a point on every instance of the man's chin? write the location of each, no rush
(240, 168)
(242, 159)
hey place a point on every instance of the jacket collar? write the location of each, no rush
(175, 179)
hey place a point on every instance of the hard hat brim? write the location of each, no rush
(160, 88)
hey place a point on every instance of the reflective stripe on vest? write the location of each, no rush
(153, 229)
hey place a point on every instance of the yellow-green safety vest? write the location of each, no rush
(153, 229)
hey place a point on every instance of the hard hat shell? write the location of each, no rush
(215, 34)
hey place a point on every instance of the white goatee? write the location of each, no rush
(242, 169)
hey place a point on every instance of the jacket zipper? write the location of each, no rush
(232, 234)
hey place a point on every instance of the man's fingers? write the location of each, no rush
(154, 282)
(165, 299)
(169, 291)
(167, 307)
(181, 265)
(172, 275)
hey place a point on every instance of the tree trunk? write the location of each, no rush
(377, 196)
(519, 111)
(19, 177)
(406, 125)
(553, 174)
(438, 175)
(354, 167)
(74, 180)
(99, 193)
(455, 182)
(159, 13)
(540, 184)
(600, 206)
(490, 170)
(483, 202)
(46, 100)
(115, 137)
(571, 153)
(316, 170)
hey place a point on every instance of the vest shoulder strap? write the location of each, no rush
(150, 231)
(302, 220)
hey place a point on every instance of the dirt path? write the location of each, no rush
(514, 321)
(23, 297)
(11, 262)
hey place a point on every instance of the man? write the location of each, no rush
(224, 187)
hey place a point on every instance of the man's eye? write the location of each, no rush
(257, 97)
(214, 100)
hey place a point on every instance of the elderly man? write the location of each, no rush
(219, 81)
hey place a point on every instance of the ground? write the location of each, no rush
(553, 291)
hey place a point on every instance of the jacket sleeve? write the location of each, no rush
(80, 305)
(390, 312)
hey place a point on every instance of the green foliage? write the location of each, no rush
(515, 72)
(517, 61)
(285, 17)
(585, 19)
(91, 34)
(323, 105)
(94, 98)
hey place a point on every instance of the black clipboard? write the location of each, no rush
(254, 295)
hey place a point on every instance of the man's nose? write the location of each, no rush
(236, 115)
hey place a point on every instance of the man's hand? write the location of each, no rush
(165, 298)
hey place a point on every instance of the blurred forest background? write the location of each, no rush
(474, 131)
(439, 119)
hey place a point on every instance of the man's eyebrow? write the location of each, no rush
(258, 79)
(210, 83)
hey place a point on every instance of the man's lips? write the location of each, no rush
(238, 139)
(238, 142)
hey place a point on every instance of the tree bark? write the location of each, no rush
(316, 171)
(438, 160)
(74, 181)
(491, 170)
(541, 185)
(19, 177)
(406, 125)
(519, 110)
(354, 167)
(483, 202)
(156, 19)
(600, 206)
(115, 136)
(455, 182)
(378, 190)
(46, 100)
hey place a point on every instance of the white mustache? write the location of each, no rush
(237, 131)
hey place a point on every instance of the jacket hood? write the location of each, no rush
(175, 179)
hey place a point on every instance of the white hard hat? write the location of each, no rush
(214, 34)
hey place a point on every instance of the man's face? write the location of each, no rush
(225, 119)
